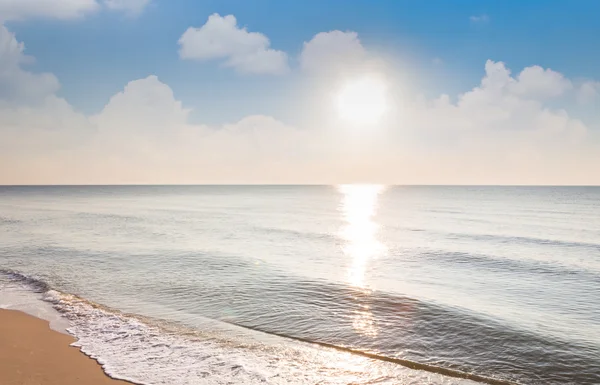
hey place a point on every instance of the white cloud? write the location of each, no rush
(63, 9)
(222, 38)
(145, 105)
(532, 83)
(134, 6)
(504, 103)
(139, 128)
(141, 135)
(47, 128)
(588, 92)
(498, 133)
(16, 84)
(58, 9)
(538, 82)
(329, 50)
(145, 128)
(483, 18)
(33, 120)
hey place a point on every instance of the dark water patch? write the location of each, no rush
(9, 221)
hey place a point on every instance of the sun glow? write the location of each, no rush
(362, 101)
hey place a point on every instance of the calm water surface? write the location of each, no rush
(230, 284)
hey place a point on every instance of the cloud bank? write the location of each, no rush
(503, 132)
(506, 130)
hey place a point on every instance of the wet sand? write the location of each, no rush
(33, 354)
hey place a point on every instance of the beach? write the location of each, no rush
(31, 353)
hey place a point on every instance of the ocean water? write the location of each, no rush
(356, 284)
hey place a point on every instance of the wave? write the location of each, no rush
(496, 263)
(149, 351)
(296, 234)
(525, 240)
(35, 284)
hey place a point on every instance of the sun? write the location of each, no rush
(362, 101)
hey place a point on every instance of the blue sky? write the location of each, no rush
(488, 83)
(95, 56)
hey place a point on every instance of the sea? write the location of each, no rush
(349, 284)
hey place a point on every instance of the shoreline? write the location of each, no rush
(61, 340)
(31, 353)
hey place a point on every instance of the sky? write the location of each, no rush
(238, 91)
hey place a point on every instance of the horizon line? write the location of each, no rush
(290, 185)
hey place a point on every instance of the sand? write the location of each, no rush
(33, 354)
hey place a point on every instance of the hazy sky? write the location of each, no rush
(207, 91)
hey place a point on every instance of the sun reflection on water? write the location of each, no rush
(358, 207)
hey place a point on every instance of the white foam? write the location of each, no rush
(131, 349)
